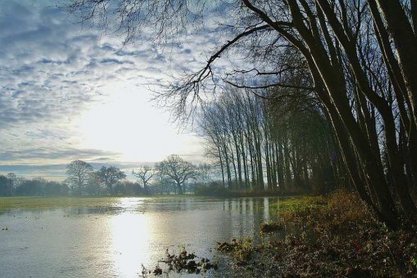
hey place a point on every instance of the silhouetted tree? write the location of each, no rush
(178, 170)
(144, 174)
(31, 187)
(78, 172)
(109, 176)
(6, 186)
(93, 185)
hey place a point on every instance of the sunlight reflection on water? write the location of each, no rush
(131, 204)
(130, 236)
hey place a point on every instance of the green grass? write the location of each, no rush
(7, 203)
(299, 203)
(38, 202)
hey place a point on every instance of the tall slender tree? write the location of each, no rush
(361, 56)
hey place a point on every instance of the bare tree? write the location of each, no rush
(361, 57)
(78, 172)
(144, 174)
(178, 170)
(109, 176)
(288, 138)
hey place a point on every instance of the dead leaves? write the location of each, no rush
(336, 238)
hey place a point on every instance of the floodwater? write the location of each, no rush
(115, 241)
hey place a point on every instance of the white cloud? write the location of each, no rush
(54, 74)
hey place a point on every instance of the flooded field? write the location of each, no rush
(117, 237)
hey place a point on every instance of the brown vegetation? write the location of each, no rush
(337, 238)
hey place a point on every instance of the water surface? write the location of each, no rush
(116, 240)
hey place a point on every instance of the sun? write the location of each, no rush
(124, 121)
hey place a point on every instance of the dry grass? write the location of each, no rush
(334, 236)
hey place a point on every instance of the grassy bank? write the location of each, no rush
(7, 203)
(332, 236)
(39, 202)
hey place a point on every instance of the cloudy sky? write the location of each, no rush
(71, 91)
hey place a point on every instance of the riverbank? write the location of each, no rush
(50, 202)
(35, 202)
(332, 236)
(116, 240)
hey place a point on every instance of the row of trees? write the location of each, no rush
(285, 143)
(360, 59)
(171, 175)
(82, 178)
(11, 185)
(172, 171)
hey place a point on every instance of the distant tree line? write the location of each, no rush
(174, 175)
(82, 179)
(167, 176)
(11, 185)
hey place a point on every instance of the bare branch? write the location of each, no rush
(270, 86)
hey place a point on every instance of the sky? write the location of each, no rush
(72, 91)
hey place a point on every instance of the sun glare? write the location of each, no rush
(125, 122)
(130, 243)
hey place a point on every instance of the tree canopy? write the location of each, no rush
(78, 172)
(109, 176)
